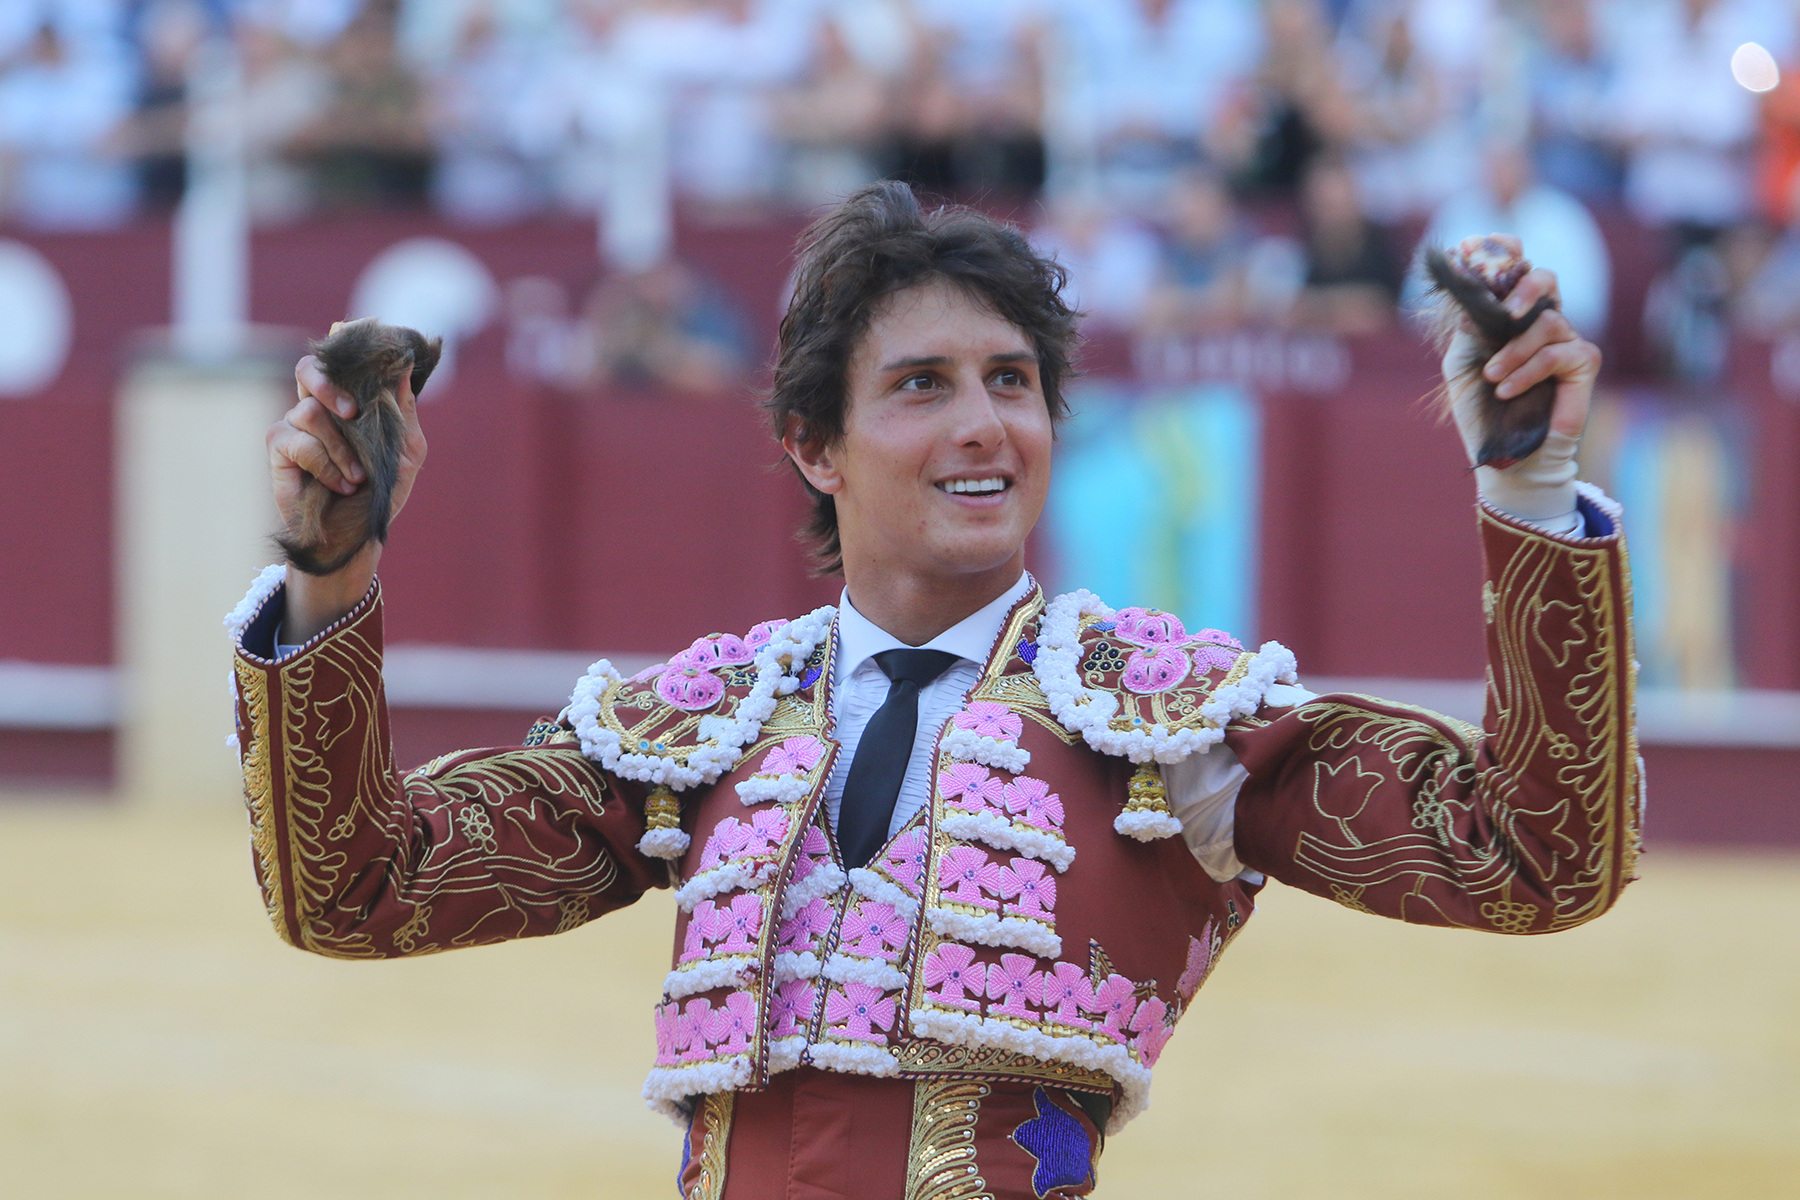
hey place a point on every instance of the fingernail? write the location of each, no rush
(1492, 370)
(1504, 391)
(346, 409)
(355, 473)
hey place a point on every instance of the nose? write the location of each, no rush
(978, 423)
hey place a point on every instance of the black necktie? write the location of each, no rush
(881, 756)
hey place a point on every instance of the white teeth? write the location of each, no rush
(974, 486)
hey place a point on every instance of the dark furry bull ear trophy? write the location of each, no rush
(1470, 283)
(364, 359)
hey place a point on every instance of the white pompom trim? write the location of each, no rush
(784, 1053)
(991, 929)
(1146, 826)
(723, 738)
(824, 879)
(705, 975)
(727, 877)
(239, 618)
(1002, 833)
(663, 843)
(870, 886)
(789, 966)
(758, 789)
(965, 745)
(966, 1029)
(848, 968)
(1089, 712)
(668, 1088)
(857, 1060)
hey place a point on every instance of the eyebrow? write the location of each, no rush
(941, 360)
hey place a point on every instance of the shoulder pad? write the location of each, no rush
(1136, 684)
(685, 722)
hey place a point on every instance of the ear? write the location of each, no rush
(815, 458)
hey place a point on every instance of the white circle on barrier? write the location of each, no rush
(37, 320)
(432, 285)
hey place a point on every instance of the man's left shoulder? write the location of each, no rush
(1135, 683)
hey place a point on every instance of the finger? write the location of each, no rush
(310, 417)
(1536, 284)
(1572, 362)
(1550, 327)
(310, 380)
(290, 447)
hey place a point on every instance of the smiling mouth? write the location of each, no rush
(992, 486)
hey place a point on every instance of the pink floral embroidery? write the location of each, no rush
(1149, 627)
(1113, 1002)
(690, 1038)
(1218, 657)
(1219, 637)
(971, 787)
(688, 685)
(767, 829)
(985, 718)
(1034, 887)
(1147, 672)
(1035, 802)
(965, 871)
(719, 650)
(729, 1027)
(650, 672)
(1153, 1032)
(791, 1006)
(1199, 961)
(727, 838)
(738, 925)
(874, 930)
(1011, 982)
(953, 971)
(796, 756)
(801, 931)
(905, 859)
(668, 1016)
(762, 634)
(693, 944)
(860, 1010)
(1059, 991)
(815, 851)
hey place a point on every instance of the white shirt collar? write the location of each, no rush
(860, 639)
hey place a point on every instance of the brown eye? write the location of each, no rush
(1010, 378)
(916, 383)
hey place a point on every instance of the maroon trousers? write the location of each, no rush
(823, 1135)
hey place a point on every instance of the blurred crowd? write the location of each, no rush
(1195, 163)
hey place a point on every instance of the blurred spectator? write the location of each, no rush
(972, 99)
(64, 102)
(665, 327)
(369, 147)
(168, 33)
(1557, 230)
(479, 175)
(1687, 123)
(1571, 78)
(284, 92)
(836, 115)
(1352, 278)
(1111, 259)
(1201, 280)
(1268, 134)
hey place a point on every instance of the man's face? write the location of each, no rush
(945, 459)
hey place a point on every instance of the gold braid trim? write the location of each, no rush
(259, 793)
(940, 1161)
(715, 1110)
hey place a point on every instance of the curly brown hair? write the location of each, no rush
(874, 244)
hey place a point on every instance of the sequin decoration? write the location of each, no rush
(1060, 1145)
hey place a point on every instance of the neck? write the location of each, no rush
(914, 606)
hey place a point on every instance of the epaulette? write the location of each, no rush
(684, 723)
(1137, 685)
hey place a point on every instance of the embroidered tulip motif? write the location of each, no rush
(727, 838)
(1033, 800)
(1202, 951)
(761, 634)
(766, 831)
(690, 1039)
(668, 1017)
(1030, 886)
(860, 1009)
(985, 718)
(874, 930)
(693, 942)
(953, 972)
(795, 756)
(965, 871)
(729, 1027)
(689, 686)
(971, 788)
(1217, 649)
(1158, 670)
(791, 1006)
(719, 650)
(1011, 983)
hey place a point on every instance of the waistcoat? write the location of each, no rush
(1040, 920)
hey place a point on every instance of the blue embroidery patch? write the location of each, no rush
(1028, 650)
(1060, 1145)
(687, 1148)
(811, 677)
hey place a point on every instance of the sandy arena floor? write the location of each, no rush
(156, 1040)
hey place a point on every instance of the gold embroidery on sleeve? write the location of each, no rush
(940, 1159)
(716, 1111)
(259, 794)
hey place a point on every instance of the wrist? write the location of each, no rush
(314, 602)
(1540, 488)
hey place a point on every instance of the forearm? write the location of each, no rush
(357, 861)
(315, 602)
(1527, 825)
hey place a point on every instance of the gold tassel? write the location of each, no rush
(661, 809)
